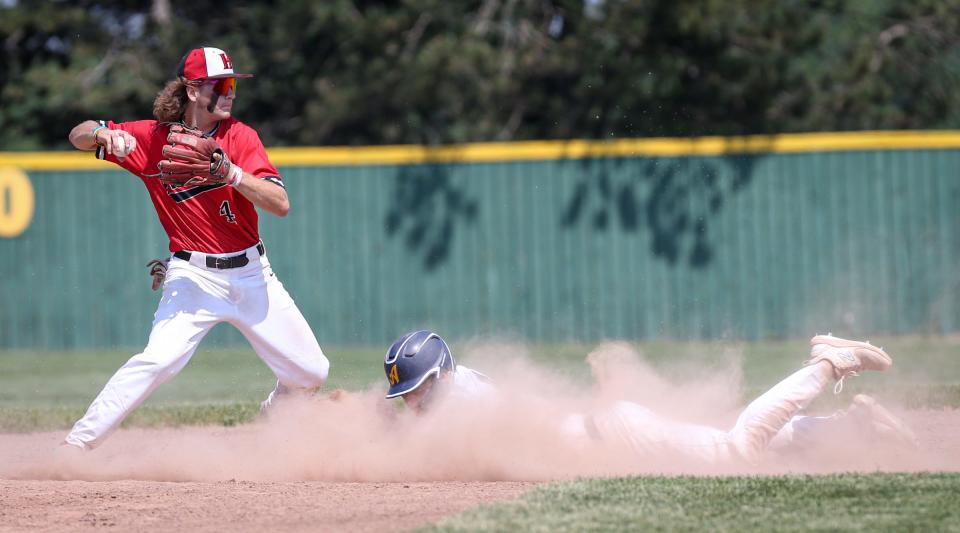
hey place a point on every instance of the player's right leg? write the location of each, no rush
(831, 359)
(187, 311)
(864, 419)
(880, 422)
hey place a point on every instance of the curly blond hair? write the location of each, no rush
(171, 102)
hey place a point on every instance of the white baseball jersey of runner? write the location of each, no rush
(470, 384)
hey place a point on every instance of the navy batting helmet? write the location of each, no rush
(413, 358)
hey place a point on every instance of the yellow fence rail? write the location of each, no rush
(548, 150)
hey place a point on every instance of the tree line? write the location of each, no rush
(359, 72)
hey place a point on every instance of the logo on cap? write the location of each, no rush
(207, 63)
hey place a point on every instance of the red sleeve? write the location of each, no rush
(252, 157)
(142, 130)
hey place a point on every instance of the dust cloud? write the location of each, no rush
(524, 431)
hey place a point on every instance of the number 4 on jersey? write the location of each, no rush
(227, 213)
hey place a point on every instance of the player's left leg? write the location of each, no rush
(766, 415)
(270, 320)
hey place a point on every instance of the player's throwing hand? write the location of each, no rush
(115, 142)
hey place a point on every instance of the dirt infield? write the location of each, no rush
(237, 506)
(351, 462)
(167, 479)
(150, 480)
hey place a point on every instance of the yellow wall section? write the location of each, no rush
(548, 150)
(16, 202)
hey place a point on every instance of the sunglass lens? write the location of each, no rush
(224, 86)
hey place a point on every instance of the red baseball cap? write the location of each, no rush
(207, 63)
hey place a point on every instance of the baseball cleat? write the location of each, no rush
(881, 422)
(73, 445)
(68, 453)
(847, 357)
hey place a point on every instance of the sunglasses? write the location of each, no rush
(223, 86)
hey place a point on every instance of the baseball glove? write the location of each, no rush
(191, 159)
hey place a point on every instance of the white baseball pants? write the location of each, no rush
(196, 298)
(650, 435)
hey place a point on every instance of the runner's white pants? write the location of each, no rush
(650, 435)
(194, 300)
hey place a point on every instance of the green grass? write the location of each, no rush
(28, 419)
(213, 376)
(49, 390)
(861, 502)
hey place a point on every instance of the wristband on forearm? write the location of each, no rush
(101, 149)
(236, 175)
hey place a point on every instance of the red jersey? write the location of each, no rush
(212, 219)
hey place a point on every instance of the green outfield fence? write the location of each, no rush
(755, 237)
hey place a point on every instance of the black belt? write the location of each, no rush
(235, 261)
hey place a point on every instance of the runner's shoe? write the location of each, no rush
(847, 357)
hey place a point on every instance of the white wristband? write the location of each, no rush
(236, 175)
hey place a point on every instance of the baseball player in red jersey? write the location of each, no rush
(218, 271)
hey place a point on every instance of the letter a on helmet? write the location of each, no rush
(413, 358)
